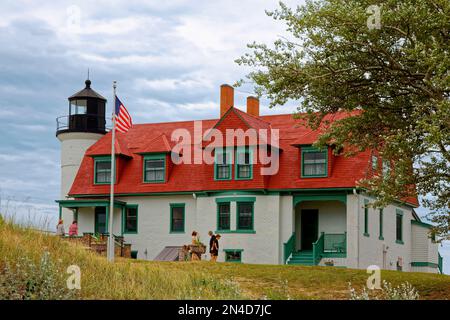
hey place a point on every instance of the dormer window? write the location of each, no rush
(102, 170)
(244, 166)
(222, 164)
(154, 168)
(314, 162)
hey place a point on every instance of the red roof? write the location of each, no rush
(343, 172)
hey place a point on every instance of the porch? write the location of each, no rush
(320, 230)
(93, 216)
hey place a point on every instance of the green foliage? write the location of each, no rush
(393, 80)
(404, 291)
(26, 280)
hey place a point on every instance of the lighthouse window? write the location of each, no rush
(78, 107)
(102, 171)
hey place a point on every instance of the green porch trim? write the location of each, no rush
(305, 149)
(212, 193)
(89, 203)
(424, 264)
(177, 205)
(235, 199)
(60, 212)
(334, 255)
(422, 224)
(153, 156)
(320, 197)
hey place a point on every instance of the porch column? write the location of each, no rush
(352, 231)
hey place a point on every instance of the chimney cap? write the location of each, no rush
(226, 85)
(253, 97)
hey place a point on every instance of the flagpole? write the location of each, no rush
(110, 245)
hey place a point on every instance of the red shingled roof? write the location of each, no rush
(155, 137)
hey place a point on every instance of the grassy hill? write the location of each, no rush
(24, 271)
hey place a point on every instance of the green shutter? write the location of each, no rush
(399, 226)
(381, 224)
(366, 218)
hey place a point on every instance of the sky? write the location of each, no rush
(168, 57)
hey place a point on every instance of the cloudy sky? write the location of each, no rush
(169, 58)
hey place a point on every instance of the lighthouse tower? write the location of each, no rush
(77, 131)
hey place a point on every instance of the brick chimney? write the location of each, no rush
(226, 98)
(253, 106)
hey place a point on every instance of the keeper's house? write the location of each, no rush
(309, 212)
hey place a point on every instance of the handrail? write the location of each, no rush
(288, 247)
(318, 249)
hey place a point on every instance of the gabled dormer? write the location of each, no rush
(156, 160)
(100, 154)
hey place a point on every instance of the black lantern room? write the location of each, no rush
(86, 113)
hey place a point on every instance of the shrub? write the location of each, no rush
(25, 280)
(404, 291)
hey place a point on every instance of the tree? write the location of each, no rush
(392, 76)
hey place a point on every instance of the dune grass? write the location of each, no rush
(137, 279)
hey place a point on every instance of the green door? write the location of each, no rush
(100, 220)
(310, 228)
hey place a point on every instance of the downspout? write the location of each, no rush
(357, 224)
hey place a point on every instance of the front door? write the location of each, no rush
(100, 220)
(309, 232)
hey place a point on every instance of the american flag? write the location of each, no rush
(123, 118)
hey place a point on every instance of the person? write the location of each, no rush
(73, 229)
(211, 241)
(215, 248)
(60, 228)
(194, 237)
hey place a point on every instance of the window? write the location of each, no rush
(102, 171)
(314, 163)
(100, 220)
(374, 163)
(154, 168)
(366, 218)
(177, 217)
(78, 107)
(223, 216)
(233, 255)
(399, 227)
(386, 168)
(381, 224)
(130, 219)
(222, 167)
(244, 215)
(244, 165)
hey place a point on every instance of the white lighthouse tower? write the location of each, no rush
(77, 131)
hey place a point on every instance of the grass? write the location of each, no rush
(137, 279)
